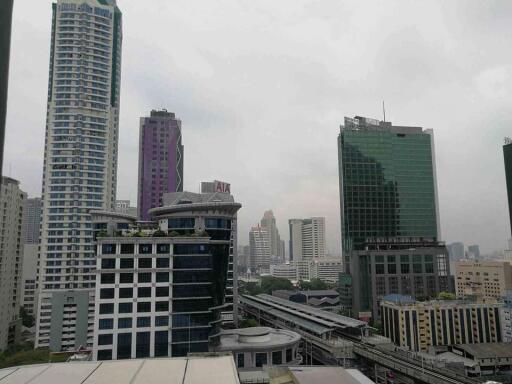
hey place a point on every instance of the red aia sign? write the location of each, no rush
(222, 187)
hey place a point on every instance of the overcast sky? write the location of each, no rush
(261, 87)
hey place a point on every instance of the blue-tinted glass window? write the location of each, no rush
(161, 343)
(145, 262)
(106, 308)
(106, 323)
(181, 223)
(191, 249)
(108, 278)
(125, 293)
(143, 322)
(162, 277)
(126, 263)
(161, 321)
(163, 249)
(127, 249)
(105, 339)
(126, 278)
(108, 249)
(125, 307)
(162, 291)
(144, 277)
(145, 249)
(143, 307)
(124, 322)
(142, 347)
(144, 292)
(161, 306)
(107, 293)
(108, 263)
(124, 345)
(162, 262)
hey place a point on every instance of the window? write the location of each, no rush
(145, 263)
(108, 278)
(106, 308)
(162, 277)
(142, 348)
(162, 262)
(161, 343)
(163, 249)
(144, 292)
(392, 269)
(289, 355)
(126, 263)
(105, 354)
(181, 222)
(107, 293)
(161, 321)
(161, 306)
(240, 360)
(126, 278)
(125, 293)
(143, 322)
(106, 324)
(143, 307)
(379, 269)
(144, 277)
(125, 307)
(145, 249)
(108, 263)
(124, 322)
(162, 291)
(261, 359)
(191, 249)
(108, 249)
(404, 268)
(127, 249)
(124, 345)
(105, 339)
(277, 358)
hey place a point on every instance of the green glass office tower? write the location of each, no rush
(387, 183)
(388, 200)
(507, 154)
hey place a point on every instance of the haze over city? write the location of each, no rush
(262, 87)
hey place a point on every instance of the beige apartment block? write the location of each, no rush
(482, 278)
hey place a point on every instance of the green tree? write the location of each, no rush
(269, 284)
(313, 285)
(249, 288)
(248, 323)
(446, 296)
(26, 318)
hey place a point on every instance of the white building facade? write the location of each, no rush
(12, 200)
(260, 250)
(80, 165)
(307, 238)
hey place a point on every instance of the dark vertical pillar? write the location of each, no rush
(5, 48)
(507, 154)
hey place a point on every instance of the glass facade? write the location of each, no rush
(387, 182)
(507, 154)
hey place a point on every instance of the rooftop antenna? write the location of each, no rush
(384, 110)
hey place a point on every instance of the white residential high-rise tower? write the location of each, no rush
(80, 165)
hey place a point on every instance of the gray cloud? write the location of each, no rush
(262, 87)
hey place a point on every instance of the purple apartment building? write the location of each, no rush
(160, 160)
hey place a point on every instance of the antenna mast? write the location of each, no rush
(384, 110)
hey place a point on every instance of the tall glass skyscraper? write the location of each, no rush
(387, 182)
(507, 155)
(80, 164)
(389, 214)
(160, 160)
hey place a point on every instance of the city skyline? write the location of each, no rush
(190, 71)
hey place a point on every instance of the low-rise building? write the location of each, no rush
(198, 369)
(261, 346)
(418, 326)
(326, 268)
(488, 358)
(488, 279)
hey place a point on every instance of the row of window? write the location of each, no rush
(129, 263)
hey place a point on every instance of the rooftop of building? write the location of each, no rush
(255, 338)
(215, 369)
(409, 300)
(319, 292)
(487, 350)
(161, 113)
(360, 123)
(303, 375)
